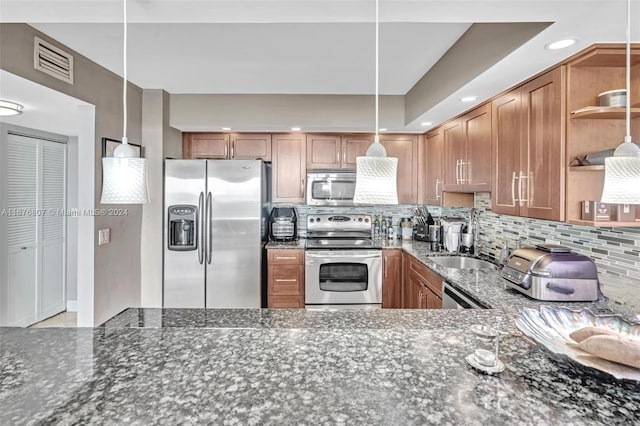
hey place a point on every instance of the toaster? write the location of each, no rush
(283, 224)
(552, 273)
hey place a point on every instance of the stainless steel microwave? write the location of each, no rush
(331, 187)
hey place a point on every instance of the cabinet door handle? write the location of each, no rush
(513, 189)
(337, 157)
(457, 172)
(344, 156)
(522, 177)
(384, 266)
(302, 188)
(233, 149)
(464, 171)
(438, 195)
(285, 257)
(287, 280)
(226, 151)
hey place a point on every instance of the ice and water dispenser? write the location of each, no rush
(183, 228)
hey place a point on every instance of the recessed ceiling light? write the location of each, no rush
(561, 44)
(226, 129)
(296, 129)
(469, 98)
(382, 130)
(426, 123)
(10, 108)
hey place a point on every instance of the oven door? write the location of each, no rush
(336, 277)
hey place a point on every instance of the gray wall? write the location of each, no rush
(281, 112)
(117, 265)
(160, 141)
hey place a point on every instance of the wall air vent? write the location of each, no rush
(53, 61)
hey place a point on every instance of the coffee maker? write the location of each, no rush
(451, 233)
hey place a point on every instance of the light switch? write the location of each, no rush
(104, 236)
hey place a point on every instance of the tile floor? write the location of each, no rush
(63, 319)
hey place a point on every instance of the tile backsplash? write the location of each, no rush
(616, 251)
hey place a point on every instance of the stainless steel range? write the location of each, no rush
(342, 266)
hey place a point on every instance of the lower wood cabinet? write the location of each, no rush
(421, 287)
(285, 281)
(391, 278)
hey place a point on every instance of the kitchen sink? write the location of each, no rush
(460, 262)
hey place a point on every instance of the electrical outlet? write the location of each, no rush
(104, 236)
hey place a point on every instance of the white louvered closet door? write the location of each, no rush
(51, 291)
(19, 292)
(35, 203)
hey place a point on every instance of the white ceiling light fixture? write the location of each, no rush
(125, 174)
(226, 129)
(296, 129)
(376, 174)
(384, 129)
(468, 98)
(561, 44)
(622, 171)
(8, 108)
(426, 123)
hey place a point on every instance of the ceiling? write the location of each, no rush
(313, 46)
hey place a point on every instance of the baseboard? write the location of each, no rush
(72, 306)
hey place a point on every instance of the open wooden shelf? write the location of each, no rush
(586, 168)
(605, 224)
(605, 113)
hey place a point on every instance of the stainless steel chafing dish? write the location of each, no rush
(553, 273)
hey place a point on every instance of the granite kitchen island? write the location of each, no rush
(172, 366)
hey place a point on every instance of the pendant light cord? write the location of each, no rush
(124, 83)
(377, 107)
(628, 107)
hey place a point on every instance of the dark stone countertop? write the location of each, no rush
(298, 244)
(177, 366)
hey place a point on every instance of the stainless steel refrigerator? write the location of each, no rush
(215, 228)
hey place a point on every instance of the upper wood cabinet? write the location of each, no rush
(405, 149)
(467, 152)
(205, 145)
(289, 168)
(529, 149)
(324, 151)
(354, 146)
(250, 146)
(434, 149)
(239, 146)
(596, 70)
(327, 151)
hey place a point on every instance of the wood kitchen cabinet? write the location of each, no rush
(331, 151)
(467, 152)
(434, 149)
(285, 281)
(598, 69)
(405, 149)
(391, 278)
(289, 171)
(205, 145)
(238, 146)
(422, 288)
(529, 149)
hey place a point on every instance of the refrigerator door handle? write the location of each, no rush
(200, 236)
(209, 228)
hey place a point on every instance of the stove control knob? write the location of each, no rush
(311, 220)
(318, 219)
(359, 219)
(366, 219)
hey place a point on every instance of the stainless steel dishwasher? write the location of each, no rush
(453, 298)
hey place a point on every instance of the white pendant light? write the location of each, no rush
(8, 108)
(125, 174)
(622, 171)
(376, 174)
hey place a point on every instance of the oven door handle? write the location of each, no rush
(351, 256)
